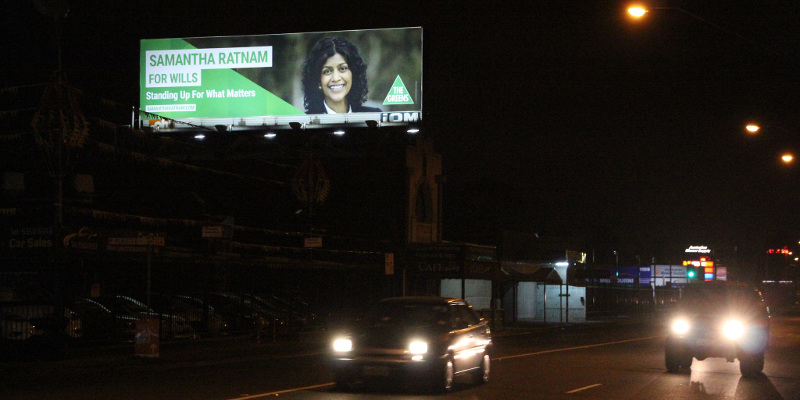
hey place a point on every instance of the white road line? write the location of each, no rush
(256, 396)
(575, 348)
(584, 388)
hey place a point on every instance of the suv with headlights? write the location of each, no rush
(716, 319)
(426, 340)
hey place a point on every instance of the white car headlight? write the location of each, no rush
(680, 326)
(733, 329)
(418, 347)
(342, 345)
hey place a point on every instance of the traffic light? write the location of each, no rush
(690, 272)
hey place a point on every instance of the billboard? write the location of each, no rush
(316, 79)
(634, 275)
(670, 275)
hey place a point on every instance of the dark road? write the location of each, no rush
(621, 359)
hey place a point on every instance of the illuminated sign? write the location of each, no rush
(784, 250)
(708, 273)
(702, 262)
(698, 249)
(669, 270)
(317, 79)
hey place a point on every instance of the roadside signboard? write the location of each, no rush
(247, 82)
(147, 338)
(313, 242)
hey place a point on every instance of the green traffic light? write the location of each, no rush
(690, 274)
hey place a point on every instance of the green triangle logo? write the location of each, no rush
(398, 94)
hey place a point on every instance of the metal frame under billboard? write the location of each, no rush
(247, 82)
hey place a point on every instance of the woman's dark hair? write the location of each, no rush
(312, 70)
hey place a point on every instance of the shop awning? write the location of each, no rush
(530, 272)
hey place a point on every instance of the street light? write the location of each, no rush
(639, 12)
(753, 129)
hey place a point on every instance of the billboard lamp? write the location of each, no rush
(371, 123)
(297, 126)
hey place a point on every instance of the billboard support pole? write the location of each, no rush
(133, 118)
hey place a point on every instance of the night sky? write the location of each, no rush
(554, 117)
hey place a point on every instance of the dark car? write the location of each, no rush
(719, 320)
(239, 314)
(100, 323)
(427, 340)
(34, 330)
(171, 326)
(200, 315)
(282, 318)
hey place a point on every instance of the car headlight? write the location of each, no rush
(733, 329)
(342, 345)
(418, 347)
(680, 326)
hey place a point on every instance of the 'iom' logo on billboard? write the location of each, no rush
(400, 117)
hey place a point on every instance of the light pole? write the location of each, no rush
(638, 12)
(747, 69)
(754, 129)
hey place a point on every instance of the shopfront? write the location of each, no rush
(465, 271)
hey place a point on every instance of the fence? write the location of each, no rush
(612, 300)
(36, 330)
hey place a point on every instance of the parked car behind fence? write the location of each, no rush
(36, 330)
(201, 316)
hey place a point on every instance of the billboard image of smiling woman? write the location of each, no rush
(312, 78)
(335, 78)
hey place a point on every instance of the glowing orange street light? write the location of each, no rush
(637, 11)
(753, 129)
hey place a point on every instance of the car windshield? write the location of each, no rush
(408, 315)
(715, 299)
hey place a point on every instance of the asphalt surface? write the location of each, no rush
(175, 354)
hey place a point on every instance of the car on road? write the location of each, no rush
(415, 340)
(715, 319)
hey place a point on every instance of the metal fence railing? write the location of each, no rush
(611, 300)
(35, 329)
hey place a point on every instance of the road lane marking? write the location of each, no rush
(589, 346)
(584, 388)
(280, 392)
(260, 395)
